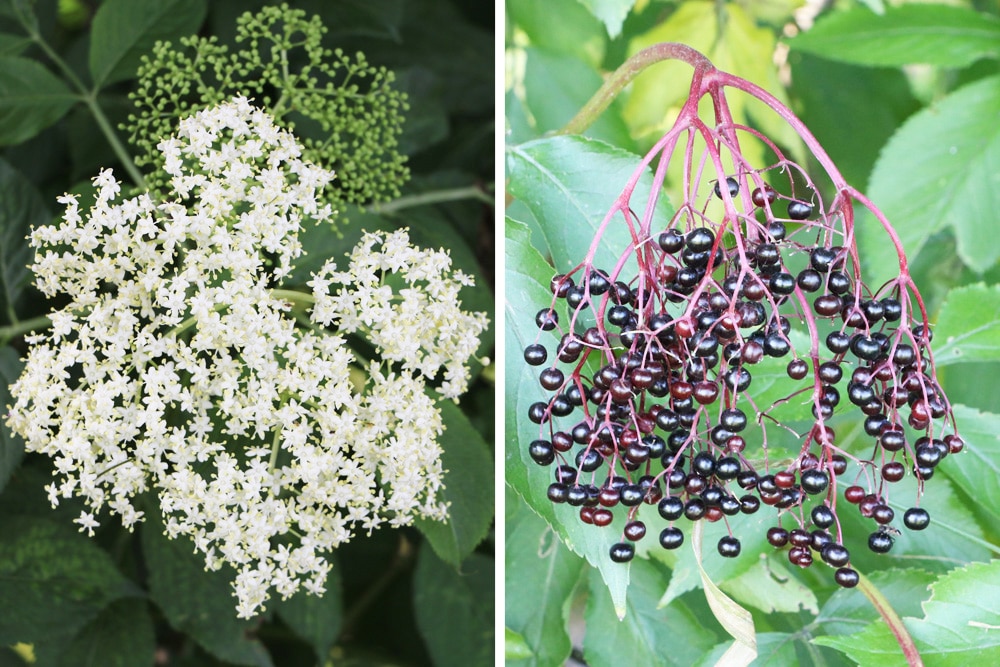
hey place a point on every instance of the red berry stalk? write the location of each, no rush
(652, 385)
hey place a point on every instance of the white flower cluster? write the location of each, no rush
(178, 368)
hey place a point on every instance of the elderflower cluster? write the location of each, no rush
(179, 368)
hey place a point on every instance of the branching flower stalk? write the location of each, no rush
(658, 351)
(180, 367)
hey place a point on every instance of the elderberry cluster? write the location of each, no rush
(651, 386)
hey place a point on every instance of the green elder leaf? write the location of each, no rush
(769, 586)
(978, 465)
(968, 328)
(611, 13)
(514, 646)
(468, 487)
(556, 86)
(848, 610)
(13, 45)
(195, 601)
(577, 32)
(11, 445)
(933, 34)
(958, 627)
(648, 634)
(541, 576)
(53, 580)
(31, 99)
(570, 183)
(774, 649)
(938, 170)
(527, 278)
(121, 636)
(454, 609)
(21, 208)
(317, 618)
(124, 30)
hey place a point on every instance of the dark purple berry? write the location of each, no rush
(535, 354)
(622, 552)
(729, 547)
(916, 518)
(799, 210)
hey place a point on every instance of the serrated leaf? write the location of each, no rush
(932, 34)
(570, 183)
(968, 328)
(541, 576)
(21, 208)
(527, 276)
(611, 13)
(124, 30)
(195, 601)
(121, 636)
(53, 580)
(939, 170)
(11, 445)
(647, 635)
(454, 609)
(977, 467)
(959, 624)
(468, 488)
(317, 618)
(31, 99)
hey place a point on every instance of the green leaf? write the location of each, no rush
(959, 624)
(576, 32)
(774, 649)
(848, 610)
(195, 601)
(31, 99)
(13, 45)
(736, 620)
(468, 487)
(11, 445)
(21, 208)
(527, 277)
(977, 467)
(611, 13)
(124, 30)
(647, 635)
(514, 646)
(556, 86)
(121, 636)
(968, 329)
(541, 576)
(933, 34)
(937, 171)
(769, 586)
(53, 580)
(317, 619)
(881, 96)
(570, 183)
(455, 609)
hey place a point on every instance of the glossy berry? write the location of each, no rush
(777, 537)
(541, 452)
(815, 481)
(670, 508)
(622, 552)
(835, 555)
(764, 194)
(916, 518)
(880, 542)
(635, 530)
(547, 319)
(729, 547)
(799, 210)
(700, 239)
(535, 354)
(847, 577)
(731, 184)
(671, 537)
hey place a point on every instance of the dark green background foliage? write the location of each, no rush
(924, 144)
(418, 596)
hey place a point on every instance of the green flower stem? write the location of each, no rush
(89, 98)
(622, 76)
(12, 331)
(433, 197)
(892, 620)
